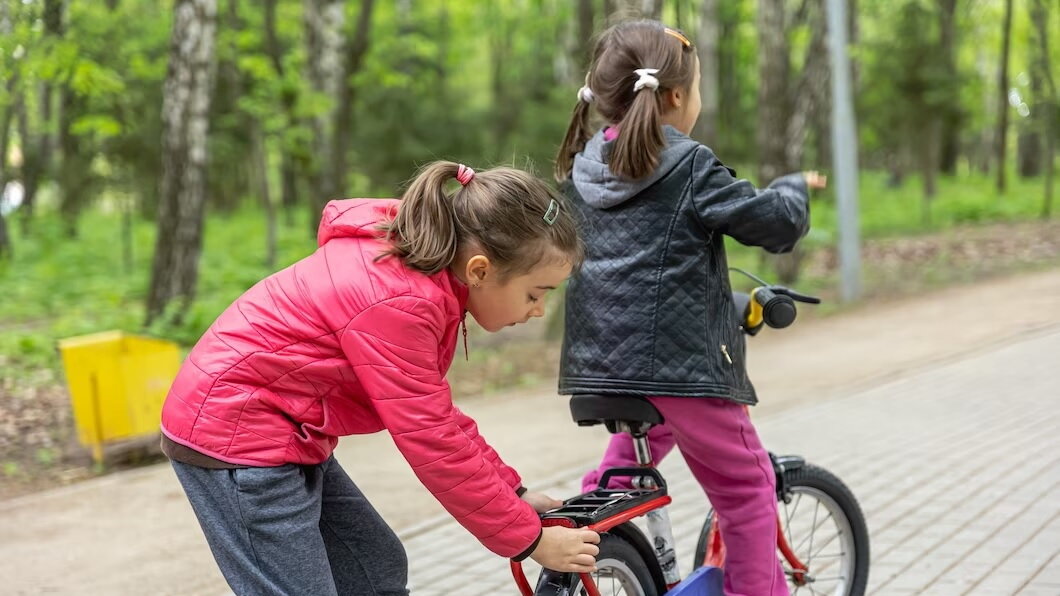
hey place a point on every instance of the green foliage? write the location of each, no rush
(920, 89)
(485, 83)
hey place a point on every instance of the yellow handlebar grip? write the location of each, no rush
(754, 316)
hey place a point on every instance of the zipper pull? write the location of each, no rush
(463, 324)
(725, 351)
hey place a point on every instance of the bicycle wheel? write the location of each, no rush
(620, 571)
(825, 528)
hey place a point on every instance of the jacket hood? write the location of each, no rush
(355, 218)
(602, 189)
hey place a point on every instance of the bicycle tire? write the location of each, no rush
(618, 561)
(809, 478)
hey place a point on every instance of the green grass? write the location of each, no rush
(887, 212)
(58, 287)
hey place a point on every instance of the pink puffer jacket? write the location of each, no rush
(341, 344)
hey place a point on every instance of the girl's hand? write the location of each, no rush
(815, 180)
(567, 550)
(540, 501)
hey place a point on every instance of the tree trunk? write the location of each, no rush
(729, 85)
(342, 131)
(232, 172)
(949, 142)
(773, 72)
(1029, 150)
(682, 21)
(128, 207)
(323, 22)
(185, 125)
(585, 34)
(1049, 112)
(707, 39)
(986, 147)
(74, 171)
(928, 149)
(31, 164)
(5, 131)
(811, 95)
(37, 148)
(5, 137)
(288, 176)
(1029, 158)
(774, 113)
(6, 251)
(261, 158)
(507, 101)
(1002, 108)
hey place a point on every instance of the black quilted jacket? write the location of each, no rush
(651, 312)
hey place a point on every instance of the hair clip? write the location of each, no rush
(552, 212)
(680, 37)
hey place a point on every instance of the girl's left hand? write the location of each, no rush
(815, 180)
(540, 501)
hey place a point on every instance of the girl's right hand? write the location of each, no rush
(567, 550)
(814, 179)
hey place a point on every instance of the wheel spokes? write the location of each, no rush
(816, 528)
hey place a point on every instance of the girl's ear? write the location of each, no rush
(478, 270)
(675, 98)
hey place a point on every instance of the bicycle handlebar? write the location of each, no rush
(768, 304)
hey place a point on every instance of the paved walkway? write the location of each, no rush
(953, 457)
(956, 469)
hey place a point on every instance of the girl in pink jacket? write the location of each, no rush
(353, 339)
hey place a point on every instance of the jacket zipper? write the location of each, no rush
(725, 352)
(463, 325)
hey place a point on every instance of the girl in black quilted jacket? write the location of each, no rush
(651, 312)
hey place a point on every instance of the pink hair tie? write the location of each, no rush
(464, 174)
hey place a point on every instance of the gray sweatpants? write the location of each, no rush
(292, 529)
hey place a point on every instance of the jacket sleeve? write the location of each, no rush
(393, 348)
(470, 428)
(774, 218)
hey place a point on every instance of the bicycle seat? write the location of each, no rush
(589, 409)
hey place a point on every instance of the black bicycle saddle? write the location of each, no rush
(589, 409)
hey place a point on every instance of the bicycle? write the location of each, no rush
(630, 563)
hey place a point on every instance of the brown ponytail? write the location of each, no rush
(577, 134)
(424, 232)
(640, 137)
(514, 218)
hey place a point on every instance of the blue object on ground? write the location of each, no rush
(705, 581)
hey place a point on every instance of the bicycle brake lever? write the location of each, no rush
(795, 295)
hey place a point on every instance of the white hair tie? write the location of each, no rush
(647, 79)
(586, 94)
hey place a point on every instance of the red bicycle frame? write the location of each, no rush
(715, 555)
(600, 526)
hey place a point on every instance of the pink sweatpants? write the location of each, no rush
(723, 451)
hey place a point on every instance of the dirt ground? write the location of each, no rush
(133, 533)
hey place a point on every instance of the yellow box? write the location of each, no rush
(117, 384)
